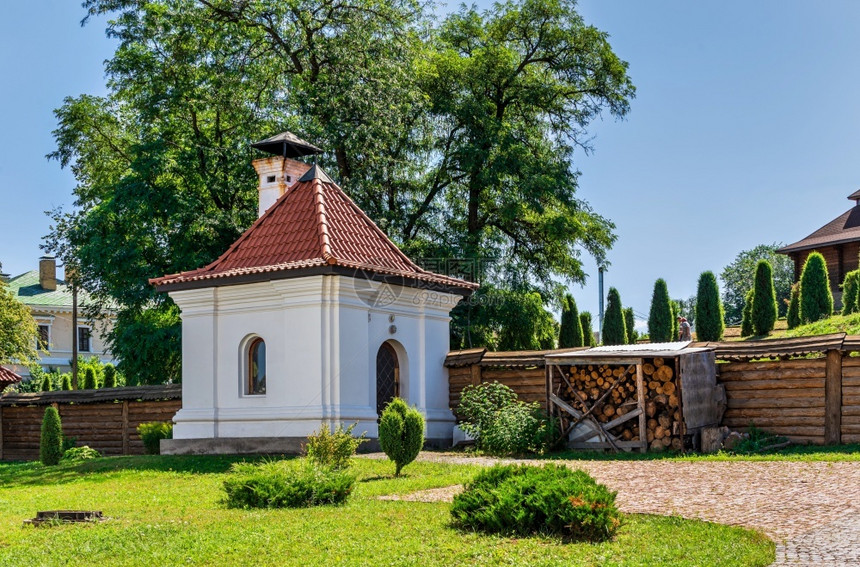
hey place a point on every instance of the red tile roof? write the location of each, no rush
(844, 228)
(8, 377)
(313, 228)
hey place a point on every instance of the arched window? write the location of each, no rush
(387, 376)
(256, 367)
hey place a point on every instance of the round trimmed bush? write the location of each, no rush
(152, 433)
(549, 500)
(816, 301)
(51, 442)
(401, 433)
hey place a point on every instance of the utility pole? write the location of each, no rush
(71, 278)
(600, 270)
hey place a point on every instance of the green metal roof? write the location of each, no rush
(28, 291)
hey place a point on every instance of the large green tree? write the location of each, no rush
(816, 299)
(738, 278)
(660, 323)
(614, 330)
(17, 329)
(570, 330)
(457, 139)
(709, 309)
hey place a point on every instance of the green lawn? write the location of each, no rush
(167, 511)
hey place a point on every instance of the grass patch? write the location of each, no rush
(166, 511)
(849, 324)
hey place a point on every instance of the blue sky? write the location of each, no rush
(745, 130)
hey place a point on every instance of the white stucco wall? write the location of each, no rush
(322, 335)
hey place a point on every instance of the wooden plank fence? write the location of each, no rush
(106, 420)
(807, 388)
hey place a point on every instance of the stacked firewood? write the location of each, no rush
(662, 405)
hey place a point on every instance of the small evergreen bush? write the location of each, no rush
(503, 425)
(710, 323)
(660, 324)
(630, 324)
(549, 500)
(152, 433)
(587, 329)
(90, 379)
(676, 325)
(793, 317)
(286, 484)
(746, 322)
(401, 433)
(614, 331)
(333, 448)
(816, 301)
(46, 383)
(77, 454)
(764, 308)
(51, 442)
(110, 376)
(66, 381)
(570, 331)
(850, 290)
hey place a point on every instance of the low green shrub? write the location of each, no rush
(401, 433)
(77, 454)
(549, 500)
(503, 425)
(286, 484)
(758, 441)
(333, 448)
(152, 433)
(51, 441)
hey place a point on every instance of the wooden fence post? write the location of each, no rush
(833, 398)
(476, 374)
(125, 427)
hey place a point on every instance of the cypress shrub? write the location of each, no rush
(570, 333)
(816, 301)
(850, 290)
(746, 322)
(67, 381)
(587, 329)
(629, 324)
(709, 309)
(51, 442)
(660, 324)
(614, 331)
(764, 309)
(110, 376)
(89, 379)
(676, 325)
(794, 307)
(46, 383)
(401, 433)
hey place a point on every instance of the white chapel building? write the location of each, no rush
(313, 316)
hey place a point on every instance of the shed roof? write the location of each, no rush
(7, 377)
(842, 229)
(288, 145)
(313, 228)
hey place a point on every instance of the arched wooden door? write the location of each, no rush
(387, 376)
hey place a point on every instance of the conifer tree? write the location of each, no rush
(629, 324)
(764, 309)
(793, 316)
(614, 331)
(46, 383)
(67, 381)
(587, 329)
(110, 376)
(710, 322)
(816, 301)
(51, 442)
(850, 290)
(676, 325)
(570, 333)
(660, 317)
(89, 379)
(746, 322)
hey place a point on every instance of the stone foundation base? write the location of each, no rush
(263, 446)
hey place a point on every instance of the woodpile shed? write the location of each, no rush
(648, 396)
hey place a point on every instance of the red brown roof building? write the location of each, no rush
(838, 241)
(313, 316)
(7, 378)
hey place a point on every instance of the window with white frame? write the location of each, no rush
(43, 340)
